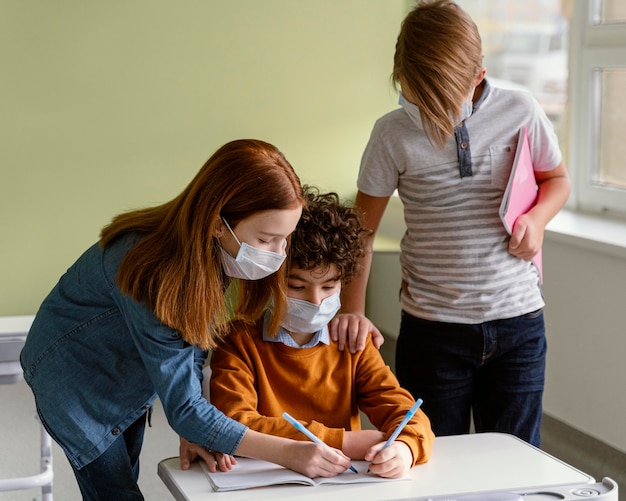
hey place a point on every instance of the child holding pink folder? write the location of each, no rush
(472, 337)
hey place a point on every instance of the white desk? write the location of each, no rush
(459, 464)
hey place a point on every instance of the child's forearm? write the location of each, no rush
(554, 190)
(357, 443)
(353, 293)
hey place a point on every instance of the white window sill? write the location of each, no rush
(590, 232)
(586, 231)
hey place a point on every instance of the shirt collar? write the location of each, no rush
(486, 89)
(321, 336)
(461, 134)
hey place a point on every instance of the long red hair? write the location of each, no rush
(176, 266)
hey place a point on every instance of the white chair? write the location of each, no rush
(13, 332)
(206, 382)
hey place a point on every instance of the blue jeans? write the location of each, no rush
(114, 474)
(494, 371)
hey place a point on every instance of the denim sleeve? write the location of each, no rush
(175, 369)
(200, 357)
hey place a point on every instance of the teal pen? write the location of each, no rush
(403, 423)
(302, 429)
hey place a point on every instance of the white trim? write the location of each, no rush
(598, 47)
(589, 231)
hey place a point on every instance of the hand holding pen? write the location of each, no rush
(302, 429)
(410, 413)
(398, 464)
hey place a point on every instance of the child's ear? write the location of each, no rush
(480, 77)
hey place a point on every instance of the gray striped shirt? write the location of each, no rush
(454, 258)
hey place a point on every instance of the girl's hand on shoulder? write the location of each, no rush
(189, 452)
(394, 461)
(354, 328)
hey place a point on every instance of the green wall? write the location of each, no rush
(109, 106)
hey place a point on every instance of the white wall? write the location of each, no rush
(110, 106)
(585, 292)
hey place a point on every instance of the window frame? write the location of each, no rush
(593, 47)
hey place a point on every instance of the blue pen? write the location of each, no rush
(302, 429)
(403, 423)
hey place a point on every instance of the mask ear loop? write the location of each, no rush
(231, 231)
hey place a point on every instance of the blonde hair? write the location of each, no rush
(438, 56)
(176, 268)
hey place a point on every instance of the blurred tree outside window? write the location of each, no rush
(525, 45)
(571, 55)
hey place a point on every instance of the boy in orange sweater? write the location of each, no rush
(255, 377)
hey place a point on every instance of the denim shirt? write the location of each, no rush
(96, 360)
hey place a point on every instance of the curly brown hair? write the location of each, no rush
(329, 232)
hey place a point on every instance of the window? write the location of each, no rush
(572, 56)
(525, 43)
(608, 11)
(598, 121)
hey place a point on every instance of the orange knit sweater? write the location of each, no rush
(254, 382)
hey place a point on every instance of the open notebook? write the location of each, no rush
(249, 473)
(521, 191)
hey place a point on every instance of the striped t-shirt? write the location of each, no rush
(454, 258)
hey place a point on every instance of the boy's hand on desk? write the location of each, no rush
(189, 452)
(353, 329)
(394, 461)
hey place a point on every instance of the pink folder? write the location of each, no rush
(521, 191)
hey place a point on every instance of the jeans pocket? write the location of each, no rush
(534, 314)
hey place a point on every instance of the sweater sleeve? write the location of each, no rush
(237, 368)
(385, 403)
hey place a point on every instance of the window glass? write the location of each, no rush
(526, 46)
(609, 11)
(612, 124)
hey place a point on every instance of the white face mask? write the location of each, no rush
(251, 263)
(305, 317)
